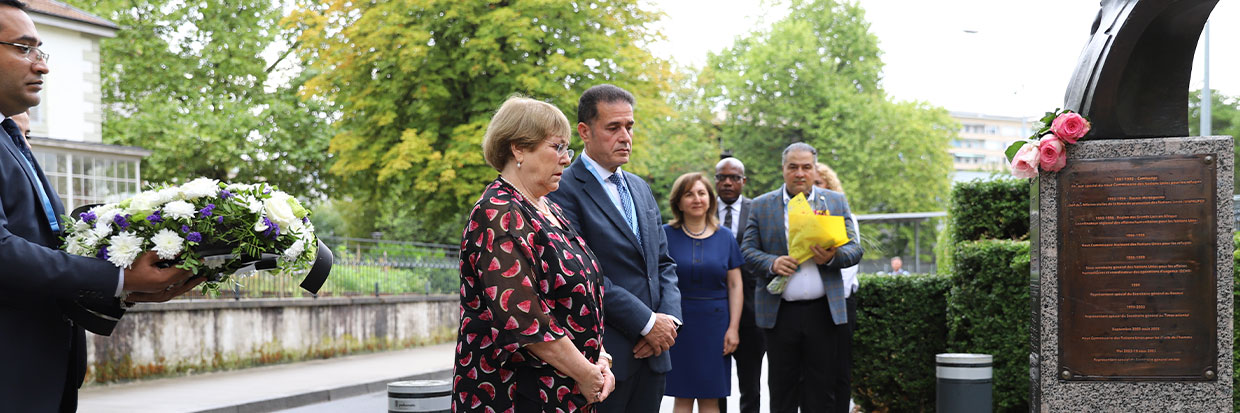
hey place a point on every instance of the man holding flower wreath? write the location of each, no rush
(43, 290)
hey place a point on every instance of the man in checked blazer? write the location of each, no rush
(804, 324)
(617, 215)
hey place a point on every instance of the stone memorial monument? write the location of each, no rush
(1132, 271)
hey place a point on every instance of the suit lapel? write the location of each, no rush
(780, 235)
(602, 200)
(20, 159)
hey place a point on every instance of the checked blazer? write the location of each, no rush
(765, 240)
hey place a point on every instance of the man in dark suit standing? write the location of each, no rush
(619, 218)
(806, 322)
(42, 290)
(734, 214)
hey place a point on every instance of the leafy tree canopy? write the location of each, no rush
(1224, 116)
(416, 81)
(190, 82)
(814, 77)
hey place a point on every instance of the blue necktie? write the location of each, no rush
(626, 205)
(14, 133)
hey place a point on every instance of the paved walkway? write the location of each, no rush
(265, 389)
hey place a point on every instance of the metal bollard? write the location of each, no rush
(965, 383)
(420, 396)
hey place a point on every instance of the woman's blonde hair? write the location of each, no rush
(829, 178)
(523, 122)
(681, 187)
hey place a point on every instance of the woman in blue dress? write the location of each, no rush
(708, 266)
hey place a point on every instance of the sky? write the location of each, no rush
(997, 57)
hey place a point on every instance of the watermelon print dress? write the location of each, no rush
(523, 281)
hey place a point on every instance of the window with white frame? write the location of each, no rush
(83, 179)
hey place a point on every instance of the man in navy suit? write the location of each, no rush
(806, 322)
(734, 214)
(619, 218)
(43, 290)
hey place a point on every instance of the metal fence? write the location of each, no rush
(378, 267)
(362, 267)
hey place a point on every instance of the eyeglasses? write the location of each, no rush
(561, 149)
(729, 177)
(31, 53)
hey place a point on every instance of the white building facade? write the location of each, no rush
(66, 129)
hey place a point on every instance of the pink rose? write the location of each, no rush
(1051, 154)
(1069, 127)
(1025, 163)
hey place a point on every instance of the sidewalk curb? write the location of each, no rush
(322, 396)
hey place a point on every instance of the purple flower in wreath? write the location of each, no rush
(121, 221)
(88, 217)
(103, 253)
(219, 219)
(224, 194)
(156, 217)
(193, 237)
(273, 230)
(184, 228)
(206, 211)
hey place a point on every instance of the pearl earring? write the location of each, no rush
(518, 164)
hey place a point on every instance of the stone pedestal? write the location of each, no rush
(1132, 278)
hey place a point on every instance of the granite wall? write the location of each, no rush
(184, 337)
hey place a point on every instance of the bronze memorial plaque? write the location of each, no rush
(1137, 269)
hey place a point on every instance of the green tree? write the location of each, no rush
(1224, 116)
(191, 83)
(814, 77)
(416, 81)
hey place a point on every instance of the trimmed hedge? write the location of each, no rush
(996, 209)
(988, 312)
(901, 325)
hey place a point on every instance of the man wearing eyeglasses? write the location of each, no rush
(734, 213)
(44, 292)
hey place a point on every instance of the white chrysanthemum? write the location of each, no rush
(179, 210)
(77, 245)
(167, 244)
(124, 248)
(80, 226)
(294, 250)
(92, 238)
(278, 210)
(261, 225)
(200, 187)
(296, 226)
(251, 203)
(105, 217)
(144, 202)
(169, 194)
(239, 187)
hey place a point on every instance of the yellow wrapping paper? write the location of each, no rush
(807, 227)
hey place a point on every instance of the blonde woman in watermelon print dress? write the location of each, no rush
(531, 293)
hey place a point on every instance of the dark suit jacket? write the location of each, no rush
(766, 239)
(42, 353)
(639, 279)
(748, 274)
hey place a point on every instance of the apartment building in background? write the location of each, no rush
(977, 151)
